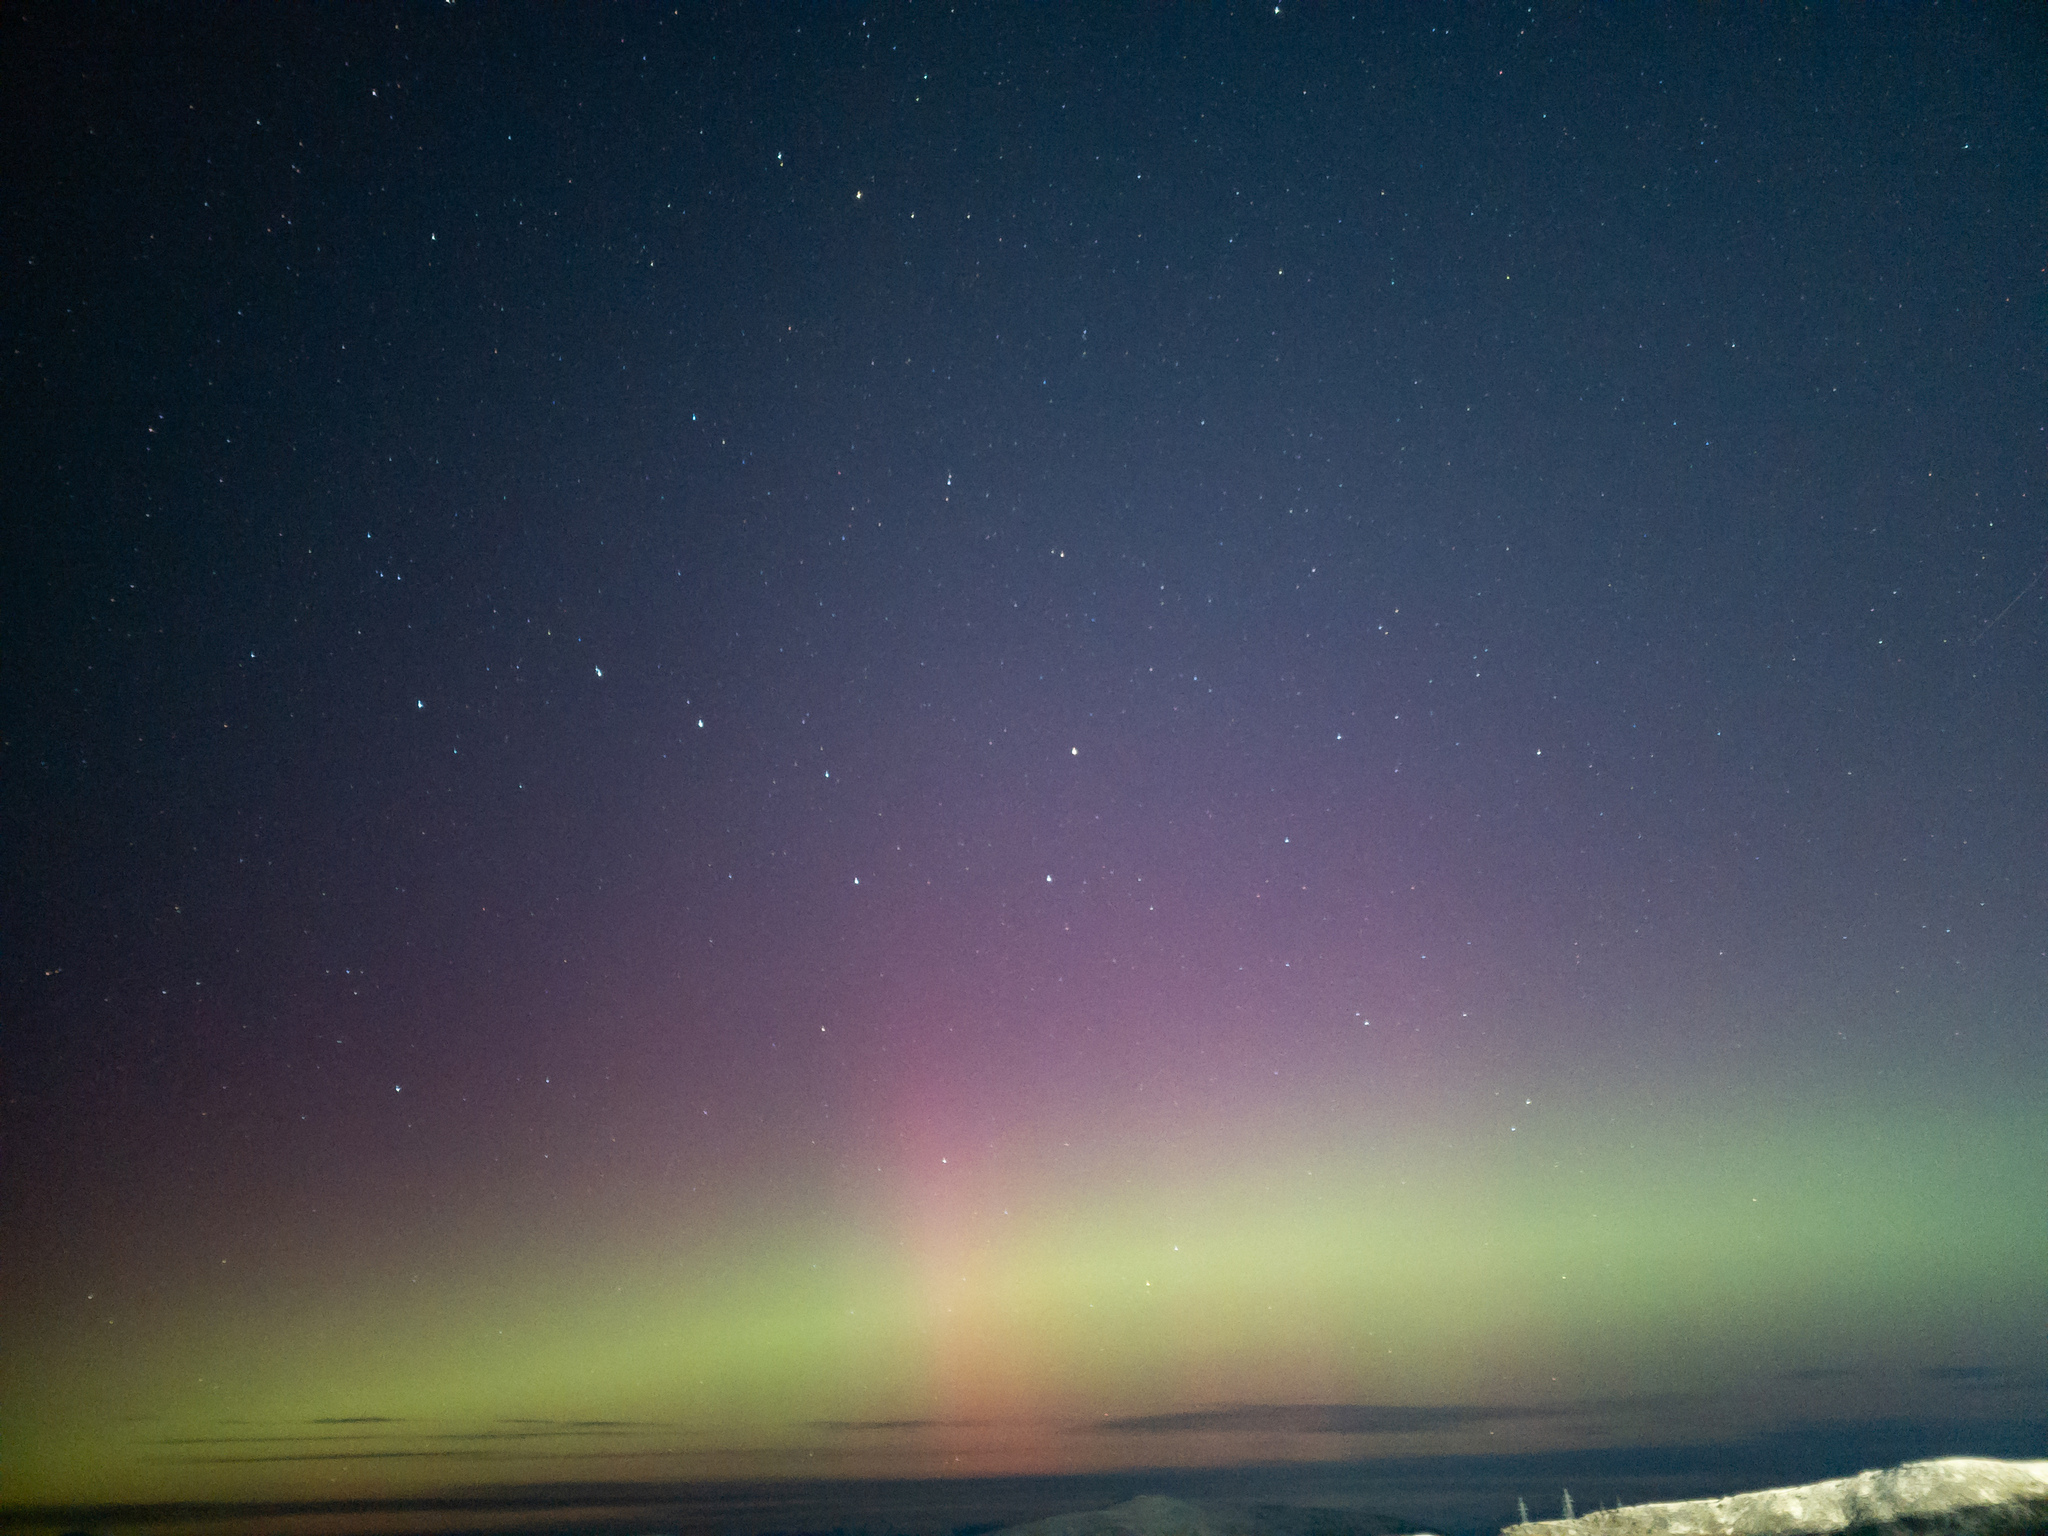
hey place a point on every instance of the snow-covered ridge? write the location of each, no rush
(1960, 1496)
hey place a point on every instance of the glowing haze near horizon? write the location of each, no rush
(915, 744)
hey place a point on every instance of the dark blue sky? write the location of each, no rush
(557, 558)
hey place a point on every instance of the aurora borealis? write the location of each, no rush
(889, 745)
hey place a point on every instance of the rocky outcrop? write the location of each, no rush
(1956, 1497)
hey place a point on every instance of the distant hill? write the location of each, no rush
(1960, 1496)
(1152, 1515)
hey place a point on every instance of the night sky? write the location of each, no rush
(880, 743)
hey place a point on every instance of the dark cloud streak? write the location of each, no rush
(1323, 1419)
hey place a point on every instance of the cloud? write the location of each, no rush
(1820, 1373)
(870, 1426)
(1321, 1419)
(446, 1453)
(388, 1446)
(1966, 1375)
(363, 1419)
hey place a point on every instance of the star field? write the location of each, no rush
(968, 743)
